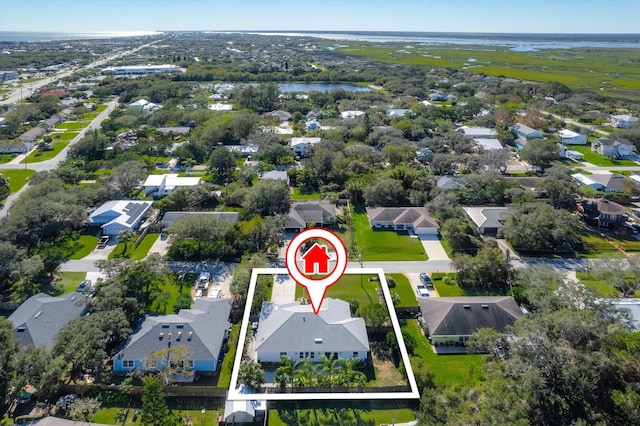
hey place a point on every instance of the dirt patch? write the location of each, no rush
(387, 374)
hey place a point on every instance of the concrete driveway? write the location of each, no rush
(414, 280)
(284, 289)
(433, 247)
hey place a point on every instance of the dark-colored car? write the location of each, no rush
(426, 280)
(83, 286)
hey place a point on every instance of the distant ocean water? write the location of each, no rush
(14, 36)
(516, 41)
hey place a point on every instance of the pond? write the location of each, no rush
(321, 87)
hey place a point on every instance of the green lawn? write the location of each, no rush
(349, 287)
(296, 195)
(601, 287)
(328, 414)
(597, 245)
(107, 416)
(72, 125)
(172, 289)
(448, 289)
(448, 369)
(100, 108)
(404, 290)
(36, 155)
(224, 380)
(136, 253)
(599, 160)
(17, 178)
(82, 246)
(63, 136)
(5, 158)
(385, 245)
(70, 280)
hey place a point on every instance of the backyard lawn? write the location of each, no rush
(448, 369)
(107, 416)
(597, 245)
(17, 178)
(348, 287)
(404, 290)
(224, 380)
(599, 160)
(170, 290)
(446, 288)
(297, 195)
(328, 414)
(384, 245)
(70, 280)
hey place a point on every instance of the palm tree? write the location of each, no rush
(328, 369)
(285, 373)
(251, 374)
(125, 237)
(305, 375)
(349, 376)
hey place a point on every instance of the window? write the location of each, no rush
(188, 363)
(355, 354)
(283, 354)
(313, 355)
(301, 355)
(127, 363)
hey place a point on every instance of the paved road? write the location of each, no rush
(53, 163)
(18, 94)
(576, 123)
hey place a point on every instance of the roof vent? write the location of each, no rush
(180, 326)
(485, 306)
(179, 335)
(466, 306)
(318, 340)
(22, 329)
(190, 335)
(161, 336)
(37, 314)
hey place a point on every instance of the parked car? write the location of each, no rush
(426, 280)
(104, 240)
(83, 286)
(64, 401)
(203, 280)
(422, 291)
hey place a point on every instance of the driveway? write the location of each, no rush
(160, 245)
(102, 252)
(284, 289)
(414, 280)
(433, 247)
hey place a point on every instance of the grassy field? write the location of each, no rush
(404, 290)
(600, 160)
(72, 125)
(171, 288)
(448, 369)
(613, 70)
(328, 414)
(385, 245)
(36, 156)
(348, 287)
(136, 253)
(17, 178)
(70, 280)
(296, 195)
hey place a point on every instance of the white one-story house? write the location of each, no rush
(585, 180)
(293, 330)
(120, 215)
(623, 121)
(572, 138)
(161, 185)
(488, 220)
(478, 132)
(617, 148)
(351, 114)
(414, 219)
(299, 145)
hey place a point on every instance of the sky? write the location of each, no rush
(509, 16)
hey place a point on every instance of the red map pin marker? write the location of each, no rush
(316, 261)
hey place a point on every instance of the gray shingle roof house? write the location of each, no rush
(293, 330)
(38, 320)
(488, 219)
(414, 219)
(448, 183)
(526, 132)
(455, 319)
(202, 329)
(119, 215)
(280, 115)
(303, 213)
(170, 217)
(612, 182)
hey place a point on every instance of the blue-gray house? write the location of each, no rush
(198, 332)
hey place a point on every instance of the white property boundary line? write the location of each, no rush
(235, 395)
